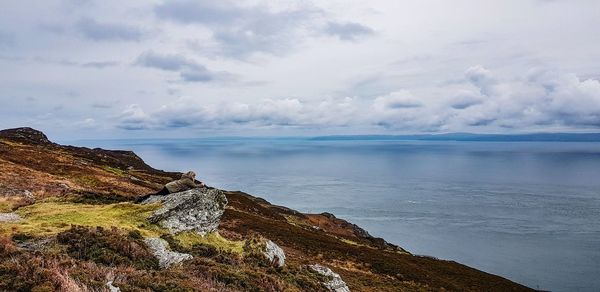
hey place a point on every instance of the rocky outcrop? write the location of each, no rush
(197, 210)
(274, 254)
(25, 135)
(335, 282)
(166, 258)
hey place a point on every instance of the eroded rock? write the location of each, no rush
(274, 254)
(335, 282)
(197, 210)
(166, 258)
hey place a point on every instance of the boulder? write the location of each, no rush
(334, 283)
(274, 254)
(166, 258)
(261, 247)
(197, 210)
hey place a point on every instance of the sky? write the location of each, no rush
(182, 68)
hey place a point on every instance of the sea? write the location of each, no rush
(527, 211)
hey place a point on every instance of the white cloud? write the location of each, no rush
(187, 112)
(525, 103)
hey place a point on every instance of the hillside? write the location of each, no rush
(67, 222)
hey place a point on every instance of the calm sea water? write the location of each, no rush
(529, 211)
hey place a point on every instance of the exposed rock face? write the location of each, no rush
(198, 209)
(25, 135)
(9, 217)
(166, 258)
(275, 254)
(335, 283)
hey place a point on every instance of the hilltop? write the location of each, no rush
(70, 224)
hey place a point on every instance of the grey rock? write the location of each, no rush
(335, 282)
(166, 258)
(111, 287)
(9, 217)
(274, 254)
(197, 210)
(28, 195)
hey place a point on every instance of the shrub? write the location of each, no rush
(109, 247)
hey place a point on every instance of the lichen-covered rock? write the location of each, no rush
(274, 254)
(260, 247)
(197, 210)
(166, 258)
(335, 282)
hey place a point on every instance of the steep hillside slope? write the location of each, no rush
(73, 226)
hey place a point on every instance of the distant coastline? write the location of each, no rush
(536, 137)
(465, 137)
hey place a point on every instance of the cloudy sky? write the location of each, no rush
(183, 68)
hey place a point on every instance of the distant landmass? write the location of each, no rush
(536, 137)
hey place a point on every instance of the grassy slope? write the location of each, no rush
(88, 187)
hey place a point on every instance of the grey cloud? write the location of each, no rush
(102, 105)
(404, 104)
(6, 39)
(166, 62)
(91, 64)
(97, 31)
(211, 12)
(240, 31)
(481, 122)
(348, 31)
(133, 118)
(481, 78)
(99, 65)
(465, 100)
(189, 70)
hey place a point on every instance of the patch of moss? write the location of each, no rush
(88, 180)
(5, 207)
(47, 218)
(114, 170)
(94, 198)
(9, 204)
(190, 239)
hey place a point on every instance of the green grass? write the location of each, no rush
(5, 207)
(52, 217)
(88, 180)
(113, 170)
(189, 239)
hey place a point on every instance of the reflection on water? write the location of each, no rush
(529, 211)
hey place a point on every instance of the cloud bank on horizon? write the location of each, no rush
(188, 68)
